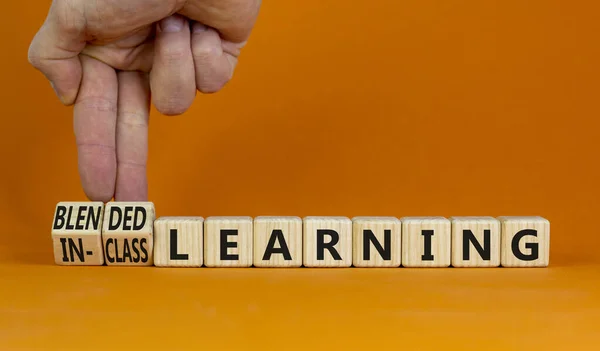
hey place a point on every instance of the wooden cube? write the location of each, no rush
(277, 241)
(77, 234)
(475, 242)
(377, 242)
(228, 242)
(327, 242)
(127, 233)
(525, 241)
(426, 242)
(178, 242)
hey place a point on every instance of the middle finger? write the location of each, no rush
(172, 79)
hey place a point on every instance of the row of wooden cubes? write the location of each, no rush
(123, 233)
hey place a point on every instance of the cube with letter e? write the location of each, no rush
(228, 241)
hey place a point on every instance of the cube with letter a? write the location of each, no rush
(127, 233)
(76, 233)
(277, 241)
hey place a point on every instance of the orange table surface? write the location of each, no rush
(43, 306)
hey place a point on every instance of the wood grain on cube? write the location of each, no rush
(277, 241)
(525, 241)
(377, 242)
(426, 242)
(475, 242)
(127, 233)
(327, 242)
(77, 233)
(178, 242)
(228, 242)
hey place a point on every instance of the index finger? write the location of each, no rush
(94, 123)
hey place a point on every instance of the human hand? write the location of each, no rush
(106, 56)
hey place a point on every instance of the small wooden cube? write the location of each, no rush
(377, 241)
(77, 234)
(525, 241)
(475, 242)
(426, 242)
(327, 242)
(178, 242)
(127, 233)
(228, 242)
(277, 241)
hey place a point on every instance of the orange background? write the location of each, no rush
(418, 107)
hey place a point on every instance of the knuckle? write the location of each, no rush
(33, 54)
(133, 119)
(95, 148)
(69, 19)
(34, 59)
(130, 162)
(95, 103)
(204, 54)
(173, 56)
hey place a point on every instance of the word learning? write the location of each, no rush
(127, 234)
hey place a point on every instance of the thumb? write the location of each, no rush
(55, 50)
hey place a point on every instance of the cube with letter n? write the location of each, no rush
(376, 241)
(475, 242)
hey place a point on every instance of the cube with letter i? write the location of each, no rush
(525, 241)
(178, 242)
(277, 241)
(327, 242)
(127, 233)
(376, 242)
(76, 233)
(425, 242)
(475, 242)
(228, 242)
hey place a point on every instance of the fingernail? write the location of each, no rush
(54, 88)
(198, 27)
(172, 24)
(60, 97)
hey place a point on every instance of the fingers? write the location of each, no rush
(133, 52)
(132, 136)
(214, 66)
(55, 48)
(233, 19)
(95, 115)
(172, 76)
